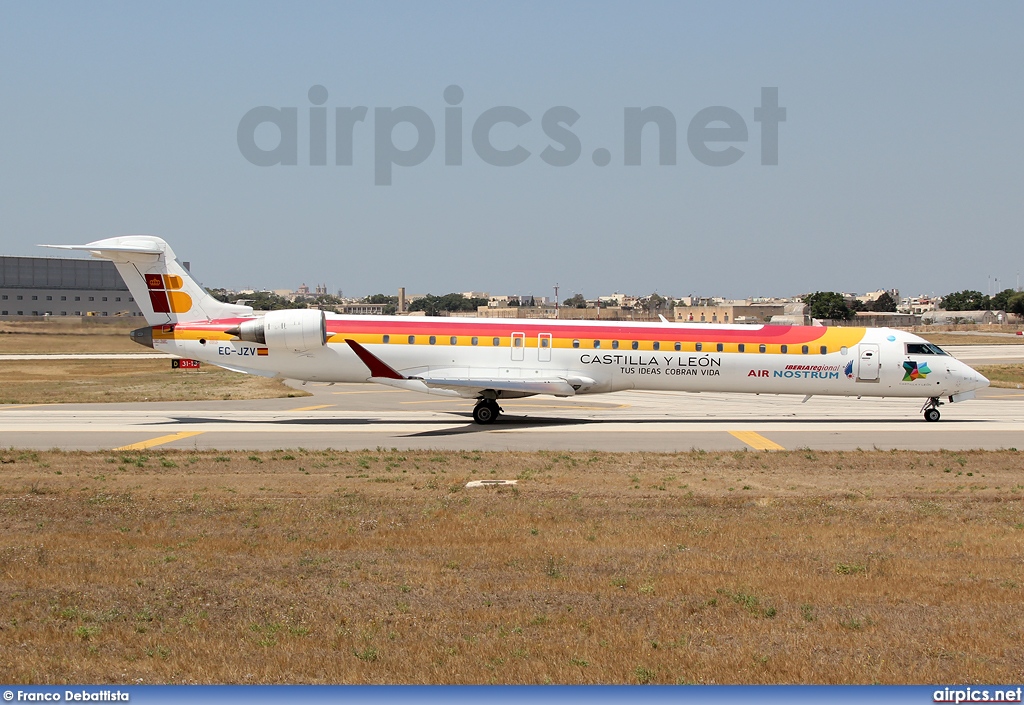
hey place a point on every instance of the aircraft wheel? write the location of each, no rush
(485, 412)
(932, 415)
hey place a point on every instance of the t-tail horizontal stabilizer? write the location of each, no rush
(163, 289)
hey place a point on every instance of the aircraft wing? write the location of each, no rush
(472, 386)
(463, 386)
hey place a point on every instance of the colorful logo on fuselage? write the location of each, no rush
(164, 293)
(913, 371)
(849, 370)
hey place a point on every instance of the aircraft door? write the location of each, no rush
(867, 365)
(544, 347)
(518, 346)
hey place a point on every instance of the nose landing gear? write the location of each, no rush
(931, 409)
(486, 411)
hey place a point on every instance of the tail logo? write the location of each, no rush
(164, 293)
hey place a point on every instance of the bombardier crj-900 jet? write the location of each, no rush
(494, 359)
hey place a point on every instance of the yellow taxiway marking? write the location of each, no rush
(756, 440)
(161, 440)
(313, 408)
(20, 406)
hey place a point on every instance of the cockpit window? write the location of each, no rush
(924, 349)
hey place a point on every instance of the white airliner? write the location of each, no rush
(493, 359)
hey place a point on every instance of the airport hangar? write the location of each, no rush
(32, 287)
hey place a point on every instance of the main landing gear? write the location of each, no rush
(486, 411)
(931, 409)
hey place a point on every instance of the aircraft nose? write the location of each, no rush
(974, 379)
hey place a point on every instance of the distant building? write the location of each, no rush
(918, 304)
(885, 319)
(57, 286)
(873, 296)
(939, 317)
(361, 309)
(729, 313)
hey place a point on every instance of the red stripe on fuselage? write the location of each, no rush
(681, 332)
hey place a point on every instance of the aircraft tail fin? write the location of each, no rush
(162, 288)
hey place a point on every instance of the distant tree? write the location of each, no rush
(656, 303)
(530, 303)
(884, 304)
(324, 301)
(828, 305)
(1016, 304)
(858, 305)
(390, 302)
(1001, 300)
(433, 305)
(575, 301)
(259, 300)
(514, 301)
(966, 300)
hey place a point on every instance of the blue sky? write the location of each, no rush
(900, 160)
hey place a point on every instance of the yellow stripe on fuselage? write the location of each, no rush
(830, 339)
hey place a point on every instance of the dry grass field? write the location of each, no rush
(1005, 376)
(381, 567)
(78, 335)
(83, 381)
(971, 339)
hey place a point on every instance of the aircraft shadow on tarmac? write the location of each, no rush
(508, 422)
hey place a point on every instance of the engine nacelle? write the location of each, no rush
(296, 330)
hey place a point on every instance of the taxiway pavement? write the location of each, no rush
(356, 417)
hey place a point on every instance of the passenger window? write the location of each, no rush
(804, 349)
(387, 338)
(699, 346)
(453, 340)
(496, 342)
(720, 347)
(741, 347)
(517, 342)
(615, 345)
(635, 345)
(412, 339)
(762, 348)
(544, 342)
(657, 345)
(432, 339)
(824, 350)
(597, 343)
(575, 343)
(678, 347)
(474, 340)
(785, 349)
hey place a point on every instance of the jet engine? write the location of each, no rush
(296, 330)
